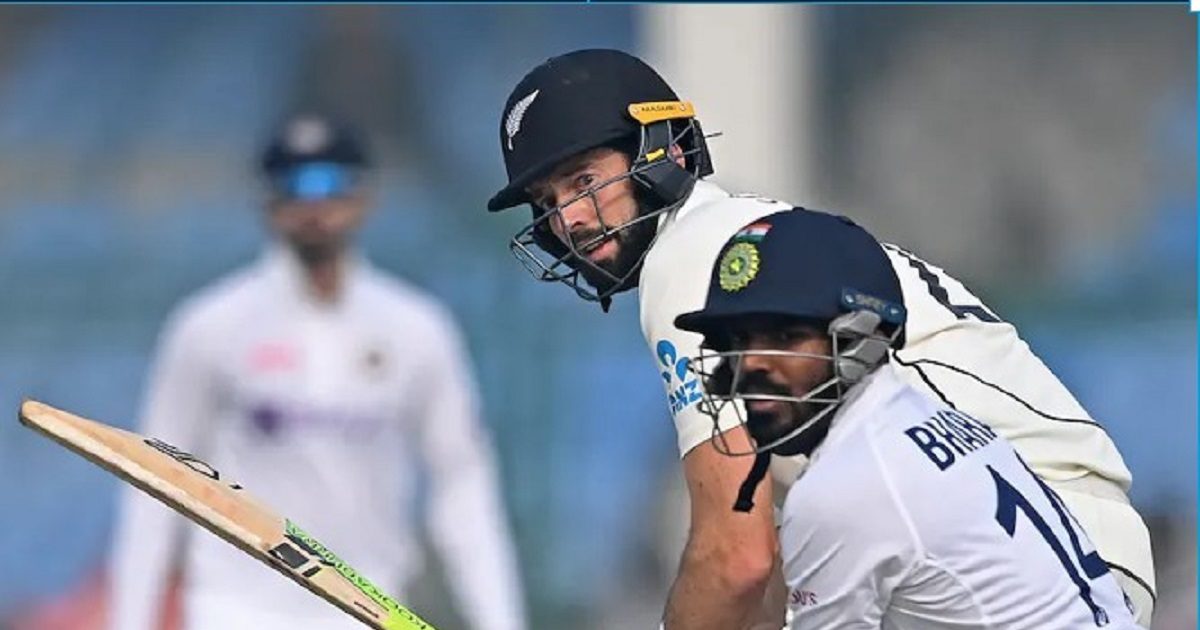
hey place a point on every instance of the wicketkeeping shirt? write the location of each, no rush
(914, 516)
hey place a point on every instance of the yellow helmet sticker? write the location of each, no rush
(655, 111)
(738, 266)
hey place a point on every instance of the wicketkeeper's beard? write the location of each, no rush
(316, 250)
(632, 243)
(768, 426)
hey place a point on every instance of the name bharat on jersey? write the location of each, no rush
(948, 435)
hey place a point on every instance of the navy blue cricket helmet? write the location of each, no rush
(823, 269)
(820, 268)
(800, 263)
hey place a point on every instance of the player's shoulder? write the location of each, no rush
(846, 495)
(921, 446)
(712, 212)
(214, 304)
(842, 483)
(859, 465)
(395, 293)
(405, 305)
(676, 269)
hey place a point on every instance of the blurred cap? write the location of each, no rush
(567, 105)
(314, 156)
(800, 263)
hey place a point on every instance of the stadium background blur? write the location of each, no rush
(1046, 155)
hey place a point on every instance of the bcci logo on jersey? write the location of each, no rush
(683, 389)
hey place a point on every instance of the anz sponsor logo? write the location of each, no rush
(683, 389)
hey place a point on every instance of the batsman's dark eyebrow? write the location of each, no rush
(570, 168)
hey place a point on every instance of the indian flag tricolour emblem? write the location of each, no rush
(752, 233)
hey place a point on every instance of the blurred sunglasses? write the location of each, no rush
(316, 180)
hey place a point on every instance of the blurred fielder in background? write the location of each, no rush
(910, 514)
(320, 382)
(612, 163)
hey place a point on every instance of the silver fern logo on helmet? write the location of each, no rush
(512, 124)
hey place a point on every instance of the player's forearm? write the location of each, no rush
(479, 559)
(770, 613)
(717, 588)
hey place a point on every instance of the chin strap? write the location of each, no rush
(745, 496)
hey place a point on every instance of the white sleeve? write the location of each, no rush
(846, 548)
(674, 281)
(669, 290)
(672, 348)
(467, 521)
(175, 408)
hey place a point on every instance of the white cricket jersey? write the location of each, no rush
(955, 348)
(915, 516)
(326, 412)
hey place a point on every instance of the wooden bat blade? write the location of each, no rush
(199, 492)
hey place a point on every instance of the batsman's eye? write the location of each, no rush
(738, 340)
(787, 337)
(584, 181)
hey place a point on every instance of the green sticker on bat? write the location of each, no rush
(399, 617)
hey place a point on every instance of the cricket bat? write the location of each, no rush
(199, 492)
